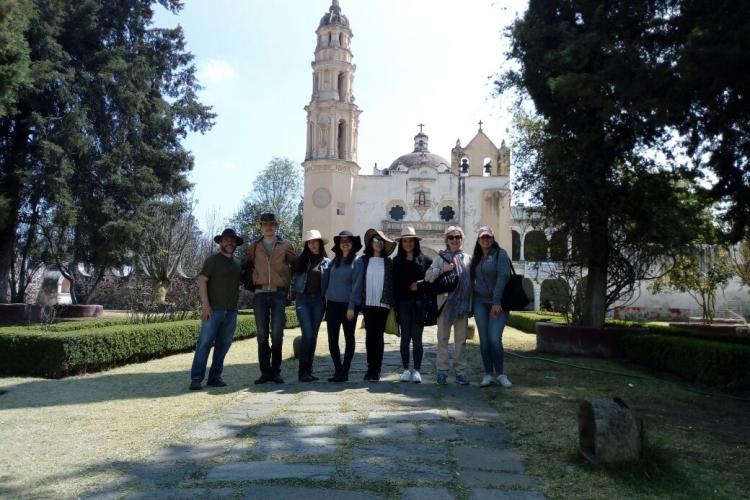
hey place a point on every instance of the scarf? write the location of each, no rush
(459, 300)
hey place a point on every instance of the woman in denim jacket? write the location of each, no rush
(310, 302)
(490, 270)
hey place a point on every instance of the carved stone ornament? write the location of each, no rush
(321, 197)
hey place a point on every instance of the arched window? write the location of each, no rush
(535, 246)
(341, 83)
(421, 199)
(515, 245)
(342, 140)
(341, 39)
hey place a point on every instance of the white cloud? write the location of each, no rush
(229, 166)
(216, 71)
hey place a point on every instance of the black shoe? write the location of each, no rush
(195, 385)
(313, 378)
(264, 377)
(306, 378)
(217, 382)
(277, 378)
(345, 377)
(375, 376)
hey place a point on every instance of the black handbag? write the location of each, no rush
(514, 296)
(429, 310)
(445, 283)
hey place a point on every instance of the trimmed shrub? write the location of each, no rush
(526, 321)
(56, 354)
(687, 333)
(709, 362)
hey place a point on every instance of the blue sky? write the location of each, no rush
(418, 61)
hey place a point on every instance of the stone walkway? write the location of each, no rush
(342, 441)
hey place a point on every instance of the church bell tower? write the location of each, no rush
(332, 121)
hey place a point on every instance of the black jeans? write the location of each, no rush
(269, 308)
(410, 314)
(335, 319)
(375, 318)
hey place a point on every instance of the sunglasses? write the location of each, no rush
(344, 240)
(375, 239)
(454, 237)
(486, 237)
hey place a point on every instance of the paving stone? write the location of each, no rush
(188, 452)
(216, 429)
(263, 491)
(469, 414)
(415, 493)
(173, 493)
(164, 473)
(440, 431)
(308, 408)
(252, 411)
(272, 446)
(495, 479)
(321, 399)
(482, 458)
(402, 431)
(396, 450)
(405, 416)
(253, 471)
(306, 431)
(260, 398)
(486, 494)
(239, 450)
(485, 435)
(399, 471)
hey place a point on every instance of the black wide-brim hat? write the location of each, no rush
(229, 232)
(388, 244)
(356, 241)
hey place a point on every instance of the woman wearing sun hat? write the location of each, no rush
(342, 284)
(310, 303)
(409, 267)
(377, 296)
(455, 307)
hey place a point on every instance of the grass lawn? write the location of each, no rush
(697, 446)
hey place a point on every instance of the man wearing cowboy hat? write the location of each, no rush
(270, 259)
(218, 287)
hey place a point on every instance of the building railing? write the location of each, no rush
(423, 229)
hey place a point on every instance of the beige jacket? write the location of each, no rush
(274, 272)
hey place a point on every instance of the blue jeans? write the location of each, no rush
(310, 309)
(217, 331)
(269, 306)
(490, 337)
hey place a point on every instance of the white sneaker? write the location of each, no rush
(486, 381)
(416, 377)
(502, 379)
(406, 376)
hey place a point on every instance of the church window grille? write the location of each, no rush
(397, 213)
(447, 213)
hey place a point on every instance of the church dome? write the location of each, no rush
(420, 157)
(334, 16)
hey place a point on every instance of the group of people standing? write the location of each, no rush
(345, 285)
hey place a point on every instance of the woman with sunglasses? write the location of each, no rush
(342, 282)
(377, 296)
(409, 267)
(310, 303)
(490, 270)
(455, 307)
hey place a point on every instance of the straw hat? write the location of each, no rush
(313, 234)
(388, 244)
(408, 232)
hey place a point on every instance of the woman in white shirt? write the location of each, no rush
(377, 296)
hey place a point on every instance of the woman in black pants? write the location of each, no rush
(409, 267)
(377, 296)
(342, 283)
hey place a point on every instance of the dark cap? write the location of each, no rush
(268, 217)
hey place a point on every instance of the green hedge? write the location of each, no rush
(526, 321)
(709, 362)
(687, 333)
(55, 354)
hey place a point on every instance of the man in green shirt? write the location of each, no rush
(218, 287)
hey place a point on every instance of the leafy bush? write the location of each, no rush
(63, 352)
(685, 332)
(710, 362)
